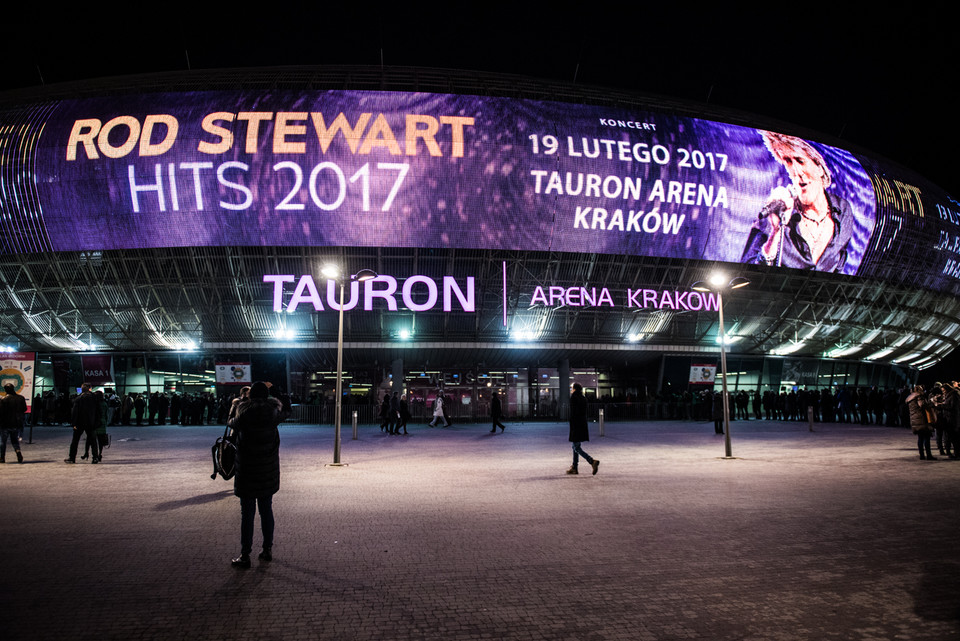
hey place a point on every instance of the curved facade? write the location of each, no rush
(514, 225)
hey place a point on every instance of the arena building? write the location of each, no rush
(168, 233)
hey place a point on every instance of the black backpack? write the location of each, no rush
(224, 453)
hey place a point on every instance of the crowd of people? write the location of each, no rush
(138, 408)
(844, 404)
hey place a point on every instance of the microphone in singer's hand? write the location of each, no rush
(780, 207)
(773, 207)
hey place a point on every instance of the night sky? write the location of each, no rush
(882, 80)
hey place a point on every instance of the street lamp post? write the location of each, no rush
(333, 271)
(718, 284)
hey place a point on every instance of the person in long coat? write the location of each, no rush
(258, 468)
(496, 411)
(917, 405)
(385, 412)
(579, 431)
(717, 412)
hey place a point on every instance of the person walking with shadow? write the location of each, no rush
(579, 431)
(12, 410)
(439, 412)
(496, 411)
(404, 415)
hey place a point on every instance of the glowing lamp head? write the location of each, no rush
(718, 279)
(364, 274)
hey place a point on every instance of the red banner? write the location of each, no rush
(97, 368)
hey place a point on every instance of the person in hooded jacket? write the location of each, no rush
(258, 467)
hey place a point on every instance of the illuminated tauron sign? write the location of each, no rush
(362, 168)
(421, 293)
(418, 293)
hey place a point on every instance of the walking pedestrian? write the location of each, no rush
(438, 413)
(395, 413)
(579, 431)
(385, 412)
(13, 407)
(496, 411)
(404, 415)
(86, 420)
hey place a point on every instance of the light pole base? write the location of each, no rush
(336, 464)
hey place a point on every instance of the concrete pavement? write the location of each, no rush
(456, 533)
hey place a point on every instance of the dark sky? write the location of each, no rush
(880, 79)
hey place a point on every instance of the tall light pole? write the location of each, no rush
(718, 284)
(333, 272)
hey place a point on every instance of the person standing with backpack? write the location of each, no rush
(258, 468)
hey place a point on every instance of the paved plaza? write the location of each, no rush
(839, 533)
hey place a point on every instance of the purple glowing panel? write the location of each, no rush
(350, 168)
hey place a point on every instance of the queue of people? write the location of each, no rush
(138, 408)
(865, 406)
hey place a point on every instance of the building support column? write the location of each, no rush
(563, 371)
(396, 370)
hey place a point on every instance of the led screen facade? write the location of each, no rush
(360, 168)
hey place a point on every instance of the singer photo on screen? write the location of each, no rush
(802, 225)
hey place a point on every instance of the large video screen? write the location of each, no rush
(358, 168)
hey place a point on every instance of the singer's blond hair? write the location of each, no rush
(782, 145)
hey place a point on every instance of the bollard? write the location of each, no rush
(810, 416)
(600, 420)
(354, 424)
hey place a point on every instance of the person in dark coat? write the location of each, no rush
(100, 442)
(579, 432)
(496, 411)
(919, 407)
(394, 413)
(163, 404)
(139, 407)
(404, 415)
(717, 412)
(12, 410)
(258, 468)
(86, 420)
(385, 412)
